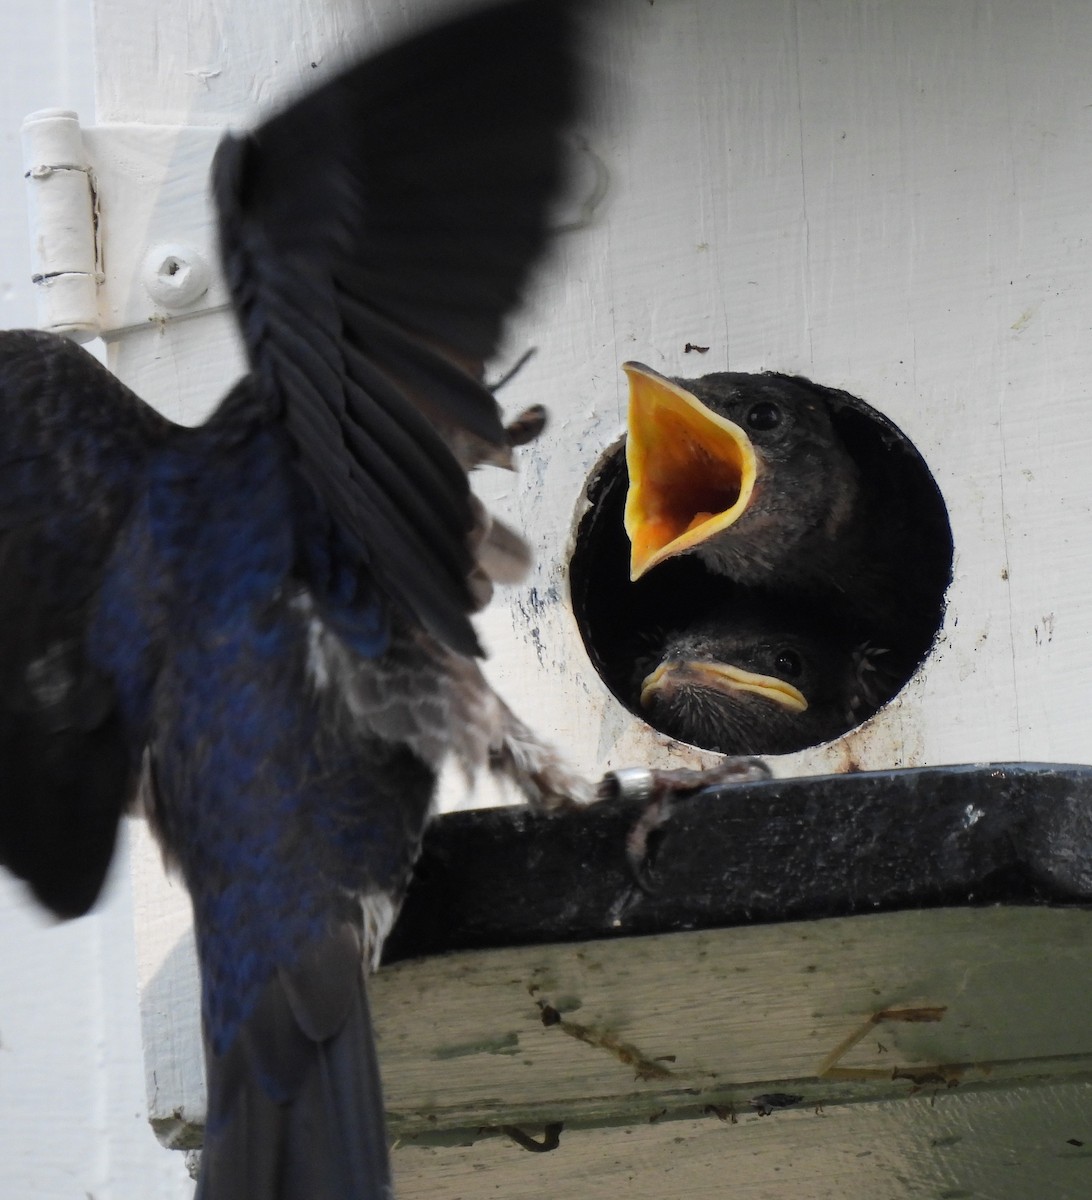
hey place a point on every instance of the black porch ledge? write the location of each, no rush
(776, 850)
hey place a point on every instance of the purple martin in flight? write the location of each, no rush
(263, 623)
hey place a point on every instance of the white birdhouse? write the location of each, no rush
(890, 200)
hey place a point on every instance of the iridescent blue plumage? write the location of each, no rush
(264, 623)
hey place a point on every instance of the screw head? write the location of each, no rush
(175, 276)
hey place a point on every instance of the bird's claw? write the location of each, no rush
(655, 791)
(645, 783)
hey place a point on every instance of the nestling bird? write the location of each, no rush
(761, 680)
(759, 476)
(264, 622)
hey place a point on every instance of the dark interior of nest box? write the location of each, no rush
(623, 623)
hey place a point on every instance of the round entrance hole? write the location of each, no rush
(781, 666)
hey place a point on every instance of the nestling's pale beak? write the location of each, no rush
(691, 471)
(719, 677)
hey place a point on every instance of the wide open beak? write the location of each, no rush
(691, 471)
(719, 677)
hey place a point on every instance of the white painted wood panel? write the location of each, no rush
(73, 1113)
(889, 199)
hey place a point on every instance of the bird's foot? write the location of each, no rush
(656, 790)
(544, 778)
(558, 788)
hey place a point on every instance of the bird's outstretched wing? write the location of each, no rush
(73, 447)
(374, 236)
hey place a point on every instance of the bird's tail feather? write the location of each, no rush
(326, 1142)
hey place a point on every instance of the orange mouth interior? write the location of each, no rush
(691, 471)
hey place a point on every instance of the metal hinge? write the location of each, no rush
(121, 227)
(63, 223)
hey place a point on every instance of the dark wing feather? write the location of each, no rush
(72, 440)
(374, 236)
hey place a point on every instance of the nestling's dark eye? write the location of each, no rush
(788, 664)
(763, 415)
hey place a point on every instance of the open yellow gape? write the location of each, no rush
(691, 471)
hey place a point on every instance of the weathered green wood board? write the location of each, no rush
(662, 1040)
(995, 1145)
